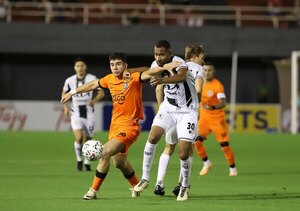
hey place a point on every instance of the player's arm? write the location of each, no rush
(220, 105)
(67, 109)
(137, 69)
(177, 78)
(84, 88)
(99, 96)
(159, 92)
(158, 70)
(198, 87)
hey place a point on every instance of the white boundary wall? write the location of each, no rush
(38, 116)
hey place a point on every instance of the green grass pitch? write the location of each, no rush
(37, 172)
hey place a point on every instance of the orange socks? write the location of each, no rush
(228, 153)
(98, 180)
(132, 179)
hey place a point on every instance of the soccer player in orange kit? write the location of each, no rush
(212, 119)
(126, 92)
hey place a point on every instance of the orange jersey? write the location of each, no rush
(212, 120)
(210, 92)
(126, 97)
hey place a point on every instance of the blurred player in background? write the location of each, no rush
(81, 109)
(126, 92)
(194, 57)
(212, 119)
(179, 108)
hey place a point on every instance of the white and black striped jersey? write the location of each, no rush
(79, 105)
(182, 95)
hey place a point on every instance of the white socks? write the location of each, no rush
(207, 162)
(185, 169)
(78, 148)
(149, 153)
(162, 169)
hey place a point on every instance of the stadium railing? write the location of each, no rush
(125, 14)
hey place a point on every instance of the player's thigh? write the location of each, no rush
(163, 118)
(203, 127)
(220, 130)
(126, 135)
(187, 125)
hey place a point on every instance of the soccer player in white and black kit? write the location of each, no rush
(81, 109)
(194, 57)
(179, 108)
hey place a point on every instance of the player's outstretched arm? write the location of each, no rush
(157, 70)
(84, 88)
(177, 78)
(137, 69)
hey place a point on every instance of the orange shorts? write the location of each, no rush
(218, 126)
(127, 135)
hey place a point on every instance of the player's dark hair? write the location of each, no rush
(118, 55)
(209, 63)
(163, 44)
(79, 59)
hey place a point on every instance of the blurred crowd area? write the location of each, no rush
(192, 13)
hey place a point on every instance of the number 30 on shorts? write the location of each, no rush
(191, 126)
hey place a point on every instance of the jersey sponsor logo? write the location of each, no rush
(120, 98)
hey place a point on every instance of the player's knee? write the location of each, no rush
(153, 139)
(118, 164)
(224, 144)
(184, 155)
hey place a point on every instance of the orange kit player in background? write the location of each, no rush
(212, 119)
(126, 93)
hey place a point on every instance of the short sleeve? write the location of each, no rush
(66, 87)
(103, 82)
(220, 91)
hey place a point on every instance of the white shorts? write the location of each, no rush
(87, 125)
(171, 136)
(183, 120)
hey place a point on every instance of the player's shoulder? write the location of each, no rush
(182, 62)
(217, 83)
(71, 78)
(90, 77)
(108, 77)
(194, 65)
(154, 64)
(177, 58)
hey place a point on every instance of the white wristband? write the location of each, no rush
(73, 92)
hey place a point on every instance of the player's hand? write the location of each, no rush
(155, 81)
(170, 66)
(207, 107)
(66, 97)
(126, 75)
